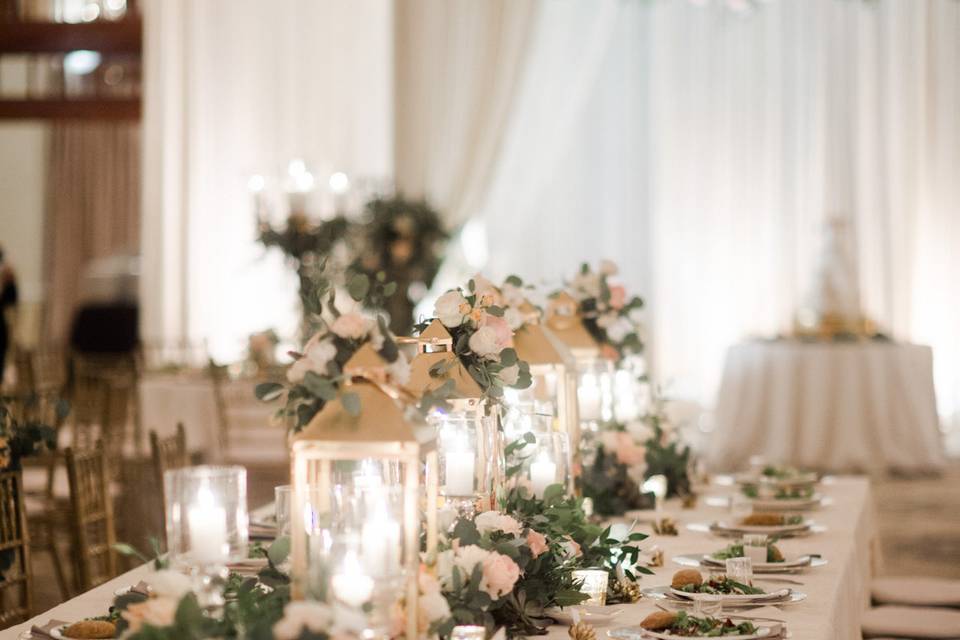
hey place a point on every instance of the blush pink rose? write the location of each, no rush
(500, 573)
(571, 548)
(628, 451)
(537, 543)
(618, 296)
(502, 330)
(351, 326)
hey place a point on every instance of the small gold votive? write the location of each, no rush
(594, 584)
(468, 632)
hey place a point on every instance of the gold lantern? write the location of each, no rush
(386, 432)
(554, 373)
(594, 372)
(470, 458)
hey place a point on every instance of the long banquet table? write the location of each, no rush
(837, 593)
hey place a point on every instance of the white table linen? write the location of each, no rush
(838, 593)
(859, 406)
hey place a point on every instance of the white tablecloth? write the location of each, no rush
(837, 592)
(863, 406)
(252, 435)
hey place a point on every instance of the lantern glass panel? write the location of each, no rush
(470, 458)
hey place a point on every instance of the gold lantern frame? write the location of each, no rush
(435, 349)
(547, 355)
(383, 432)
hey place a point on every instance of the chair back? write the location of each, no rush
(91, 522)
(165, 454)
(16, 586)
(168, 453)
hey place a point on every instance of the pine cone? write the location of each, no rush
(582, 631)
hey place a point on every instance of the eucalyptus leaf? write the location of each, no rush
(351, 403)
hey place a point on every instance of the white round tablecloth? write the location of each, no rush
(857, 406)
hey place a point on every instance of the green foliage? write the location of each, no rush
(24, 432)
(608, 484)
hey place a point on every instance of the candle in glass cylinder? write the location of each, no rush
(350, 585)
(380, 538)
(589, 396)
(208, 529)
(459, 467)
(543, 473)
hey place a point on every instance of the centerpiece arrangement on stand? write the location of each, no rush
(354, 230)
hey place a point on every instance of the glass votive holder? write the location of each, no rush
(740, 570)
(468, 632)
(593, 582)
(755, 547)
(657, 485)
(708, 605)
(281, 508)
(551, 462)
(206, 523)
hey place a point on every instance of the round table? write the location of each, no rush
(836, 406)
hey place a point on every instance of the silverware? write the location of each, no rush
(783, 580)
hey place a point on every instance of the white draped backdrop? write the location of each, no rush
(699, 147)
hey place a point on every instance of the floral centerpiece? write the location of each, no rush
(405, 239)
(316, 375)
(627, 453)
(613, 319)
(482, 337)
(508, 568)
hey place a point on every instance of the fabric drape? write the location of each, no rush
(236, 88)
(458, 69)
(93, 209)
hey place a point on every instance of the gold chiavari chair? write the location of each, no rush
(167, 453)
(91, 523)
(16, 585)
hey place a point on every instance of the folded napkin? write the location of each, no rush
(46, 631)
(141, 587)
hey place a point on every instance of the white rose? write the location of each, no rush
(510, 375)
(609, 268)
(586, 285)
(434, 607)
(298, 370)
(351, 326)
(640, 430)
(469, 557)
(450, 308)
(619, 330)
(484, 342)
(514, 318)
(636, 315)
(399, 369)
(320, 354)
(513, 295)
(170, 584)
(445, 564)
(607, 320)
(496, 521)
(297, 615)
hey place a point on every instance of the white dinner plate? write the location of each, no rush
(704, 560)
(666, 593)
(591, 614)
(638, 633)
(786, 504)
(726, 526)
(735, 598)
